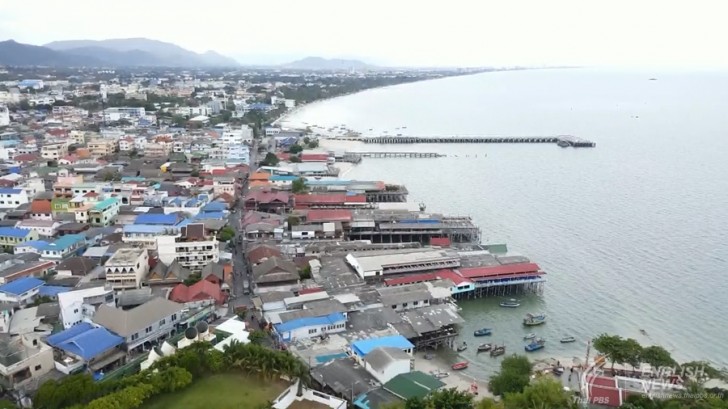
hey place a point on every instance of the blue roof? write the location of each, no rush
(10, 191)
(283, 178)
(330, 319)
(65, 242)
(21, 285)
(85, 340)
(39, 245)
(211, 215)
(325, 182)
(52, 290)
(144, 228)
(364, 346)
(156, 218)
(13, 232)
(214, 207)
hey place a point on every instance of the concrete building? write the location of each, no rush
(81, 305)
(45, 228)
(119, 113)
(384, 363)
(104, 212)
(21, 291)
(86, 345)
(54, 151)
(152, 321)
(4, 116)
(157, 149)
(101, 147)
(12, 198)
(11, 237)
(411, 261)
(23, 361)
(193, 248)
(127, 268)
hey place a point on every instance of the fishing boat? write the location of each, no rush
(439, 374)
(563, 144)
(462, 347)
(533, 319)
(498, 350)
(566, 340)
(643, 332)
(529, 336)
(482, 332)
(459, 365)
(485, 347)
(535, 345)
(512, 303)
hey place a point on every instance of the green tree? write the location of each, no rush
(544, 393)
(294, 159)
(270, 159)
(631, 352)
(657, 356)
(306, 140)
(513, 376)
(610, 347)
(179, 121)
(313, 144)
(295, 149)
(305, 273)
(192, 278)
(449, 399)
(226, 234)
(298, 186)
(257, 336)
(293, 220)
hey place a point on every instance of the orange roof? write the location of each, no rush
(259, 176)
(258, 183)
(40, 206)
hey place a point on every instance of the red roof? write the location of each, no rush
(262, 196)
(418, 278)
(440, 241)
(26, 157)
(57, 132)
(604, 391)
(504, 270)
(314, 157)
(328, 215)
(284, 156)
(310, 290)
(201, 290)
(328, 199)
(40, 207)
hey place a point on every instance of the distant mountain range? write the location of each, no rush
(128, 52)
(334, 64)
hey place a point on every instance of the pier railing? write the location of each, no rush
(561, 140)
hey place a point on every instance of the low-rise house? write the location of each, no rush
(21, 267)
(150, 322)
(45, 228)
(23, 360)
(104, 212)
(261, 252)
(384, 363)
(361, 348)
(81, 305)
(127, 268)
(21, 291)
(88, 346)
(76, 266)
(267, 201)
(163, 274)
(63, 247)
(12, 198)
(72, 228)
(12, 236)
(275, 273)
(203, 292)
(41, 210)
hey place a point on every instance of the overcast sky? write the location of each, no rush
(398, 32)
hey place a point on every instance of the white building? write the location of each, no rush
(12, 198)
(385, 363)
(118, 113)
(46, 228)
(54, 151)
(80, 305)
(4, 116)
(127, 268)
(193, 248)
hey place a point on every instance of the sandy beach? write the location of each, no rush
(457, 379)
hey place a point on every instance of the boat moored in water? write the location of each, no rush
(485, 347)
(482, 332)
(567, 340)
(529, 336)
(535, 345)
(512, 303)
(498, 350)
(534, 319)
(462, 347)
(460, 365)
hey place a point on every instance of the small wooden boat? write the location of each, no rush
(439, 374)
(535, 345)
(558, 371)
(512, 303)
(534, 319)
(643, 332)
(459, 365)
(567, 340)
(462, 347)
(485, 347)
(529, 336)
(482, 332)
(498, 350)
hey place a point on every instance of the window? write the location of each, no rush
(162, 322)
(148, 329)
(37, 367)
(394, 307)
(174, 317)
(404, 304)
(415, 303)
(312, 331)
(134, 337)
(75, 311)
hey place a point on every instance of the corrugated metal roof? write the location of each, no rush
(21, 285)
(330, 319)
(364, 346)
(13, 232)
(157, 218)
(328, 215)
(478, 272)
(85, 340)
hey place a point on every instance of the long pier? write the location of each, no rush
(561, 140)
(396, 154)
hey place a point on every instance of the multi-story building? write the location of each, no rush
(104, 212)
(11, 237)
(23, 361)
(4, 116)
(236, 155)
(21, 291)
(119, 113)
(126, 144)
(101, 147)
(193, 248)
(127, 268)
(81, 305)
(222, 185)
(12, 198)
(54, 151)
(157, 149)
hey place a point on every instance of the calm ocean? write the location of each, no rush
(633, 233)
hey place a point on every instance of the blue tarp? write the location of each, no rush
(364, 346)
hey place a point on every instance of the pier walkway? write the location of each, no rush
(561, 140)
(396, 154)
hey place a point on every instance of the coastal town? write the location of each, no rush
(147, 213)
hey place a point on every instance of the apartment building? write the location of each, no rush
(12, 198)
(104, 212)
(81, 305)
(193, 248)
(23, 360)
(54, 151)
(119, 113)
(157, 149)
(127, 268)
(101, 147)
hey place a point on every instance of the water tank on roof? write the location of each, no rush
(202, 327)
(191, 333)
